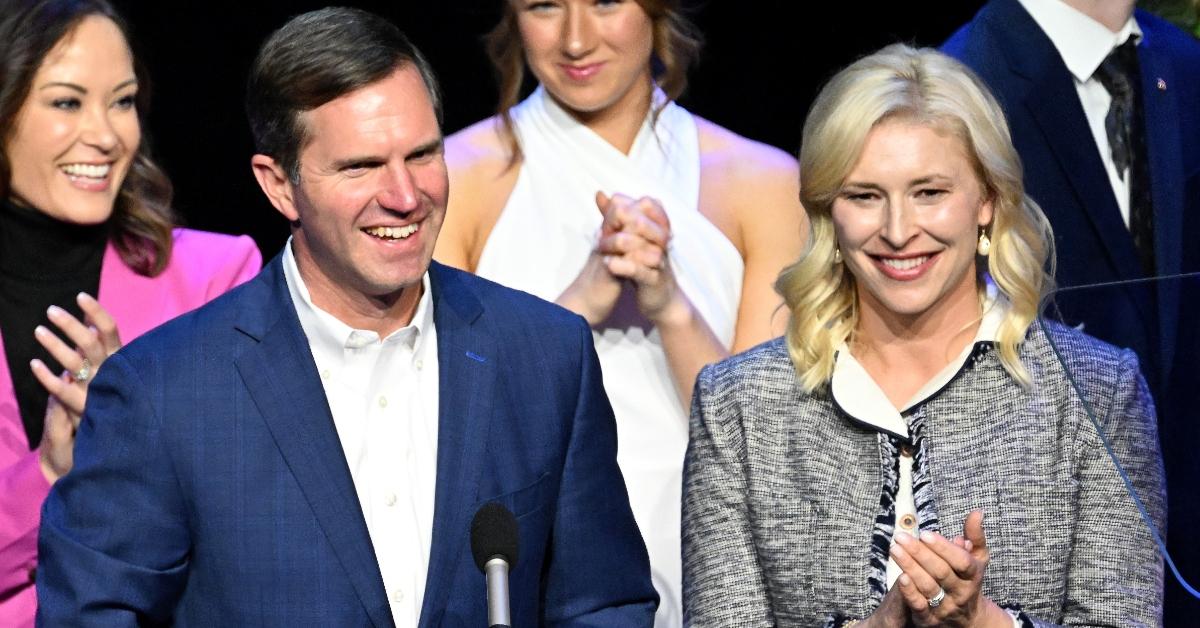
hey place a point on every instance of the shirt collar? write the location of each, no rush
(332, 335)
(864, 401)
(1082, 42)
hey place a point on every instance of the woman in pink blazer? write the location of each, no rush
(83, 211)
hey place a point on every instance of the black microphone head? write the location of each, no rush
(494, 533)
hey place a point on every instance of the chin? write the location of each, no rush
(904, 306)
(582, 100)
(393, 285)
(910, 312)
(79, 213)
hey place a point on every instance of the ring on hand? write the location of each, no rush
(936, 600)
(84, 372)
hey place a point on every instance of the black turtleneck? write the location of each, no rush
(43, 262)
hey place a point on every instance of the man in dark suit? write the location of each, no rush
(1104, 107)
(1116, 217)
(310, 449)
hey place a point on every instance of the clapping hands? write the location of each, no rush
(633, 243)
(95, 338)
(942, 582)
(631, 250)
(943, 578)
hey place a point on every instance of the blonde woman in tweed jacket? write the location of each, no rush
(912, 453)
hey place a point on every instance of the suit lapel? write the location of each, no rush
(1053, 104)
(1055, 107)
(1165, 152)
(126, 296)
(467, 366)
(282, 379)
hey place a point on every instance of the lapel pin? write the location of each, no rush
(1162, 85)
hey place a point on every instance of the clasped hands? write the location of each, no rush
(631, 249)
(95, 339)
(933, 564)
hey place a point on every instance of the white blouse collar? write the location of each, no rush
(857, 394)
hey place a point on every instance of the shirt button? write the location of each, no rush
(382, 401)
(325, 374)
(907, 450)
(390, 499)
(419, 363)
(908, 521)
(397, 595)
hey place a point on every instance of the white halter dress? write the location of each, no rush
(542, 240)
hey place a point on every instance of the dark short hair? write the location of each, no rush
(142, 220)
(313, 59)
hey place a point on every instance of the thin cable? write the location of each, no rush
(1137, 500)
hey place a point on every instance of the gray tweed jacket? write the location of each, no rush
(781, 489)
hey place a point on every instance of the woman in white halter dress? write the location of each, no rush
(663, 230)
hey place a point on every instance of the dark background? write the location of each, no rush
(763, 63)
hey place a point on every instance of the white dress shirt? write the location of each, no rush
(1083, 43)
(383, 394)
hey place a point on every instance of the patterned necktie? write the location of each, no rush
(1120, 76)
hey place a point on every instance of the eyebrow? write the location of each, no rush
(82, 90)
(933, 178)
(347, 162)
(427, 147)
(862, 185)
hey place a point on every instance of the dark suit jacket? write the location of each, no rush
(210, 487)
(1065, 175)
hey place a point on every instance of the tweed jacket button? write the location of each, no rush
(908, 522)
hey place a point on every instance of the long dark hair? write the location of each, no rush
(676, 48)
(142, 220)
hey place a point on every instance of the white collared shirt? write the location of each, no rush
(858, 394)
(1083, 44)
(383, 394)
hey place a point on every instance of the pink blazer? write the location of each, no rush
(203, 265)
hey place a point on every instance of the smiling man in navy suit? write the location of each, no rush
(310, 449)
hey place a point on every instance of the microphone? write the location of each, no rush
(494, 545)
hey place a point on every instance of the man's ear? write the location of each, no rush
(276, 184)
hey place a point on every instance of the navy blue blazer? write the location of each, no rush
(1065, 175)
(210, 487)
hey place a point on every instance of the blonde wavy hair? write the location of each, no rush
(926, 87)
